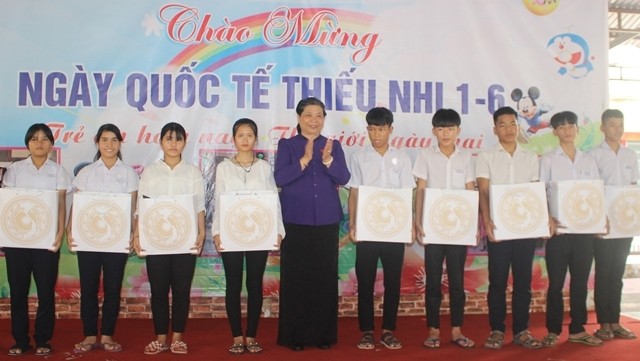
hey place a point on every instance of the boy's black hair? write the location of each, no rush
(611, 113)
(379, 116)
(561, 118)
(445, 118)
(35, 128)
(503, 111)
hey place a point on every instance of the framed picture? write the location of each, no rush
(623, 211)
(384, 214)
(519, 211)
(167, 225)
(248, 221)
(450, 216)
(579, 206)
(101, 222)
(29, 218)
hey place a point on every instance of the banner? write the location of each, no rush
(76, 65)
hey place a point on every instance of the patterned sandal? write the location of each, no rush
(495, 340)
(155, 347)
(390, 342)
(526, 340)
(367, 341)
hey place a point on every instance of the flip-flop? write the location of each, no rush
(44, 350)
(623, 333)
(82, 347)
(463, 342)
(603, 334)
(588, 340)
(17, 350)
(432, 342)
(111, 346)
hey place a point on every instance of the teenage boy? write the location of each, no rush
(507, 163)
(618, 166)
(378, 165)
(573, 252)
(444, 166)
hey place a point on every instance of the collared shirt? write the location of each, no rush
(557, 166)
(391, 170)
(231, 177)
(310, 196)
(24, 174)
(440, 171)
(159, 179)
(96, 177)
(500, 167)
(616, 169)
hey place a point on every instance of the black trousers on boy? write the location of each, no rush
(456, 257)
(611, 260)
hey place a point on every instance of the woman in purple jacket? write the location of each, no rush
(308, 169)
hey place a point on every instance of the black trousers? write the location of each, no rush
(170, 272)
(572, 252)
(391, 255)
(456, 257)
(515, 255)
(308, 285)
(611, 260)
(233, 262)
(91, 265)
(43, 265)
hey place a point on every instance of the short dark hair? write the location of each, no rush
(310, 101)
(245, 121)
(561, 118)
(174, 127)
(379, 116)
(445, 118)
(611, 113)
(504, 111)
(107, 128)
(35, 128)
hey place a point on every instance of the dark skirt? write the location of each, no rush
(308, 285)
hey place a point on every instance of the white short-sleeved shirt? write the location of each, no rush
(443, 172)
(231, 177)
(616, 169)
(159, 179)
(391, 170)
(96, 177)
(24, 174)
(500, 167)
(557, 166)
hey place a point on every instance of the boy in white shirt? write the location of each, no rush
(507, 163)
(378, 165)
(573, 252)
(618, 166)
(444, 166)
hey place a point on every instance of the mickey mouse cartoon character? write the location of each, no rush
(529, 112)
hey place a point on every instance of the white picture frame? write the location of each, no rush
(29, 218)
(384, 214)
(167, 225)
(519, 211)
(450, 216)
(249, 221)
(101, 222)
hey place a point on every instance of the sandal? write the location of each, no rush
(604, 334)
(432, 342)
(111, 346)
(587, 340)
(84, 347)
(155, 347)
(17, 350)
(237, 349)
(44, 350)
(623, 333)
(550, 340)
(367, 341)
(463, 342)
(179, 347)
(254, 347)
(526, 340)
(495, 340)
(390, 342)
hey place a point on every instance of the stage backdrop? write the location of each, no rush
(78, 64)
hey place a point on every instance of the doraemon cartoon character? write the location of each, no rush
(572, 53)
(530, 112)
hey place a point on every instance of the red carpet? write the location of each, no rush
(208, 339)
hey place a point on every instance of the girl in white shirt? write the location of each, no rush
(106, 174)
(171, 176)
(243, 172)
(36, 172)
